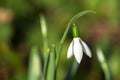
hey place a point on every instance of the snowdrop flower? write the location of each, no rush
(77, 46)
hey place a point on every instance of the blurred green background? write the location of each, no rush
(20, 30)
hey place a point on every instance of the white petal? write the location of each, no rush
(70, 51)
(86, 49)
(77, 50)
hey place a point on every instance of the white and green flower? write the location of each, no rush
(77, 47)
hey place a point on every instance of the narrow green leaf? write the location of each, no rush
(51, 65)
(45, 69)
(104, 64)
(44, 34)
(34, 72)
(73, 69)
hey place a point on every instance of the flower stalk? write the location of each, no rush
(66, 32)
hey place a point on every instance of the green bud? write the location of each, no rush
(75, 31)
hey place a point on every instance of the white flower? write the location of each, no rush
(76, 48)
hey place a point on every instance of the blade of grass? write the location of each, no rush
(72, 71)
(45, 68)
(44, 35)
(34, 72)
(104, 64)
(51, 65)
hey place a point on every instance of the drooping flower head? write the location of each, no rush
(77, 46)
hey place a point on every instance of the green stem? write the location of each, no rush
(45, 68)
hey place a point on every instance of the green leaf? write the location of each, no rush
(34, 72)
(73, 69)
(104, 64)
(44, 35)
(45, 69)
(51, 66)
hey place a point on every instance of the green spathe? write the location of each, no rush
(75, 31)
